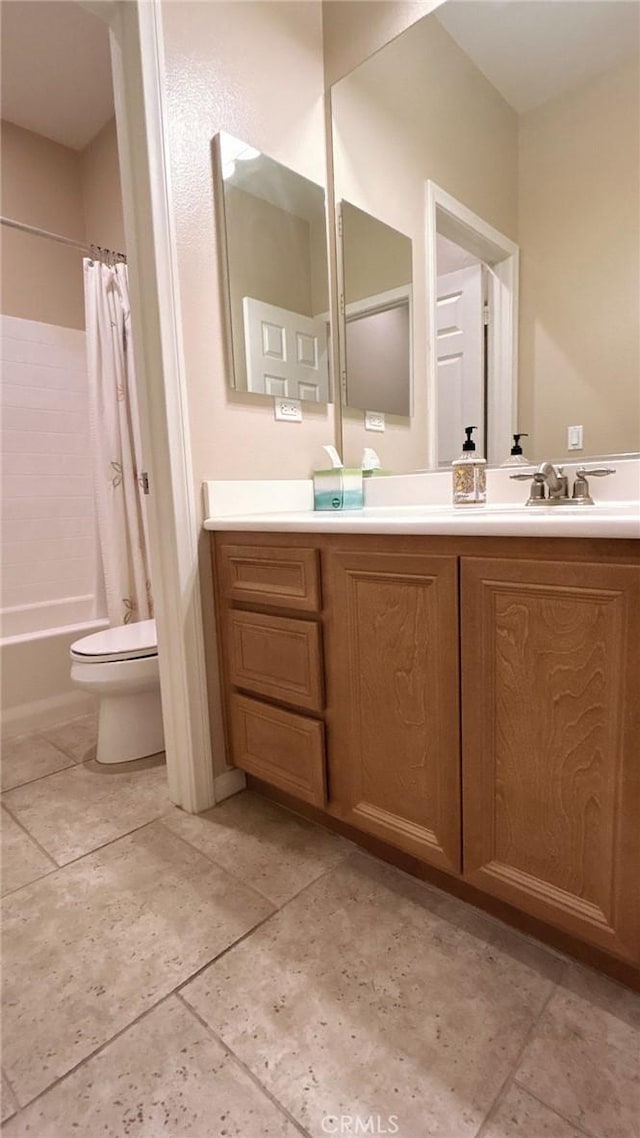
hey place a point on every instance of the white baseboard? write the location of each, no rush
(228, 783)
(46, 713)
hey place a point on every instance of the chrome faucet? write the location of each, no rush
(556, 480)
(547, 476)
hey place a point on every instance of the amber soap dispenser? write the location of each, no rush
(469, 475)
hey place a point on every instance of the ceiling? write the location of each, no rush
(56, 70)
(533, 50)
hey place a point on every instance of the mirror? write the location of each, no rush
(274, 253)
(377, 287)
(502, 137)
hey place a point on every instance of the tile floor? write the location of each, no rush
(245, 973)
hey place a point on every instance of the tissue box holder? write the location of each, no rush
(338, 489)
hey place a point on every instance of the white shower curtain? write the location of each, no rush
(118, 467)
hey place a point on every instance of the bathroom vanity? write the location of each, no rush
(465, 703)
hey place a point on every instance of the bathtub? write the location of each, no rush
(34, 646)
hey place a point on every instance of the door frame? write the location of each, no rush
(137, 60)
(445, 214)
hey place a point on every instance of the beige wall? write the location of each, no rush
(376, 258)
(101, 193)
(463, 136)
(579, 232)
(355, 29)
(269, 253)
(256, 71)
(41, 185)
(73, 193)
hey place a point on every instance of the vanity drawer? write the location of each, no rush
(269, 575)
(284, 749)
(276, 656)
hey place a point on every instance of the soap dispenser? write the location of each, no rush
(517, 458)
(469, 475)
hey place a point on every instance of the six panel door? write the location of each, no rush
(393, 715)
(551, 742)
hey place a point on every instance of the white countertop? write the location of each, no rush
(421, 503)
(621, 520)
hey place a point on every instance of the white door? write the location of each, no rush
(286, 352)
(460, 356)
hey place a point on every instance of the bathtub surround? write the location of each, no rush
(118, 1024)
(52, 596)
(49, 538)
(51, 574)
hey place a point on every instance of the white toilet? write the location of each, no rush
(120, 667)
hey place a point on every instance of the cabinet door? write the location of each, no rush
(393, 712)
(551, 742)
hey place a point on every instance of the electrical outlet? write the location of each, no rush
(288, 410)
(374, 421)
(574, 438)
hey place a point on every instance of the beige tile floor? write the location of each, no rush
(245, 973)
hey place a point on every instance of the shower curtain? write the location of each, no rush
(120, 501)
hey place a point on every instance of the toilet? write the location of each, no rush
(120, 667)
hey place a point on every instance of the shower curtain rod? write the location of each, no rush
(90, 249)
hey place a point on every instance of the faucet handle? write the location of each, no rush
(581, 486)
(595, 472)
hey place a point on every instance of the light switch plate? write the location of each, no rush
(374, 421)
(574, 438)
(288, 410)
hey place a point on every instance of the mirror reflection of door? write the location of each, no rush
(286, 353)
(472, 302)
(377, 307)
(274, 252)
(461, 309)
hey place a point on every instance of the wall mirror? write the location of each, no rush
(272, 223)
(502, 139)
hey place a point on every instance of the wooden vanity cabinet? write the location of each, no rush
(551, 742)
(473, 703)
(272, 662)
(392, 674)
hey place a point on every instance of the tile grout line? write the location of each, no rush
(510, 1079)
(570, 1121)
(82, 856)
(112, 841)
(236, 877)
(92, 1054)
(39, 778)
(176, 991)
(13, 1093)
(217, 864)
(35, 841)
(73, 761)
(243, 1067)
(249, 933)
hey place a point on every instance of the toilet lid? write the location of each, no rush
(125, 642)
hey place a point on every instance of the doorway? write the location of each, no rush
(472, 299)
